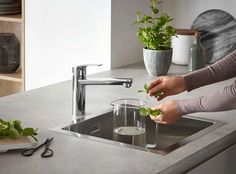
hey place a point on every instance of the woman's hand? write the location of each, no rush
(167, 85)
(169, 113)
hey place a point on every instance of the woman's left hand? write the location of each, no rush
(169, 113)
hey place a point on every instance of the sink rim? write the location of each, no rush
(215, 124)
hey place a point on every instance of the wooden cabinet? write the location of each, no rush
(14, 82)
(222, 163)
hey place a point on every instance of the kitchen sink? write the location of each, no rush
(99, 127)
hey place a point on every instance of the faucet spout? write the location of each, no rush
(79, 88)
(126, 82)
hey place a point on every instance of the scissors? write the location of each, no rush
(46, 153)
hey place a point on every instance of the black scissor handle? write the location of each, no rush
(47, 153)
(28, 152)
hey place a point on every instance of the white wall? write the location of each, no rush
(185, 11)
(125, 49)
(63, 33)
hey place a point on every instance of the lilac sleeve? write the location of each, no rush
(221, 100)
(221, 70)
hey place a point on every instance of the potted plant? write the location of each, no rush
(155, 34)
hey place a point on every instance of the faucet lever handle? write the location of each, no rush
(85, 65)
(80, 70)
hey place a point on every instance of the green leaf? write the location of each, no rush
(155, 112)
(13, 133)
(144, 33)
(146, 88)
(143, 112)
(154, 10)
(2, 122)
(138, 13)
(3, 133)
(141, 91)
(158, 94)
(146, 18)
(17, 125)
(28, 131)
(136, 22)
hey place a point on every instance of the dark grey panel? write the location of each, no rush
(218, 33)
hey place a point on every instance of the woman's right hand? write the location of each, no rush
(167, 85)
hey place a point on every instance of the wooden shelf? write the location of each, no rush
(11, 18)
(14, 82)
(15, 77)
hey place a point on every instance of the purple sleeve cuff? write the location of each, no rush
(220, 101)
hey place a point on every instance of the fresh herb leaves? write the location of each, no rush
(148, 111)
(155, 32)
(146, 90)
(145, 111)
(13, 130)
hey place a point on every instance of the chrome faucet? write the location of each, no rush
(79, 87)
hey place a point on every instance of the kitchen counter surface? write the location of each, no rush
(50, 106)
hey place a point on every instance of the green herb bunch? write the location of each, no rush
(13, 129)
(154, 32)
(145, 111)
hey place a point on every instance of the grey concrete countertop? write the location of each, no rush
(50, 106)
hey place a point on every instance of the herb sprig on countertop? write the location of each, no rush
(145, 111)
(13, 129)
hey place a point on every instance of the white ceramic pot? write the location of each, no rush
(181, 45)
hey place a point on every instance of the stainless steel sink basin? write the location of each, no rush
(99, 127)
